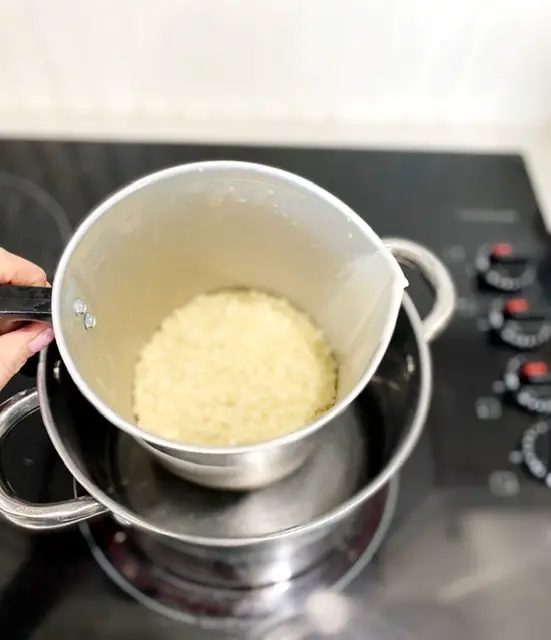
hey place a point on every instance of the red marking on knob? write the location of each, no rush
(534, 369)
(501, 249)
(516, 305)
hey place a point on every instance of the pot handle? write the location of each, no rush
(438, 277)
(19, 305)
(38, 517)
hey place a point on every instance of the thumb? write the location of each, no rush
(17, 346)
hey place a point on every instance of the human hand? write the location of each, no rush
(18, 345)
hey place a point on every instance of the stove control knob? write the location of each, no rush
(528, 382)
(519, 324)
(535, 449)
(500, 267)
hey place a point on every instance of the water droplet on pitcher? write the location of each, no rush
(242, 200)
(350, 235)
(271, 192)
(232, 188)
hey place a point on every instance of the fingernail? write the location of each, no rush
(42, 340)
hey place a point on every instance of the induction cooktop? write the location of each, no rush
(466, 550)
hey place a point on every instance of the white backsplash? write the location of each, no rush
(374, 61)
(451, 74)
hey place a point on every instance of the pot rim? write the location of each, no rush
(328, 520)
(396, 296)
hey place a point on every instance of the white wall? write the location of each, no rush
(470, 74)
(413, 61)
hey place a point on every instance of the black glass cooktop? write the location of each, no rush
(467, 550)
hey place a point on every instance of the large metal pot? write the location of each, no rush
(158, 242)
(266, 535)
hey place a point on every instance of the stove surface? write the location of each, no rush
(468, 553)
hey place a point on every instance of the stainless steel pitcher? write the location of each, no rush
(195, 228)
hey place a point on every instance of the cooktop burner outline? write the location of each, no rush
(347, 561)
(15, 224)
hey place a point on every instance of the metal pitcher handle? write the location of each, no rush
(55, 515)
(438, 277)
